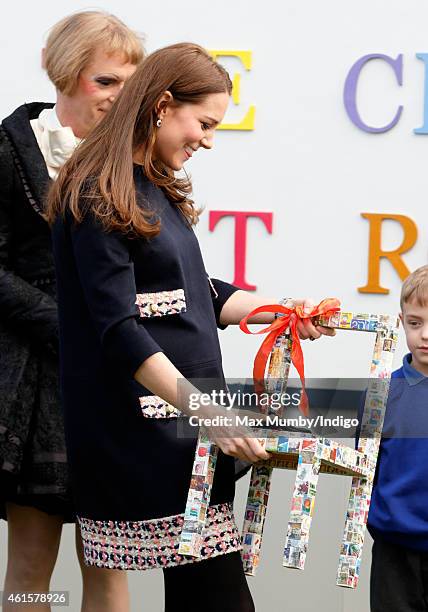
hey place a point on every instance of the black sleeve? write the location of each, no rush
(106, 274)
(220, 293)
(30, 311)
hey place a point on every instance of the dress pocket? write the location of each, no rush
(161, 303)
(154, 407)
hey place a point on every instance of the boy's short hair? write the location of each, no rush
(415, 287)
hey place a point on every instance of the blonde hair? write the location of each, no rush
(73, 40)
(415, 287)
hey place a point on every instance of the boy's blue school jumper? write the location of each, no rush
(399, 506)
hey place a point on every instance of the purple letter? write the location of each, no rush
(350, 90)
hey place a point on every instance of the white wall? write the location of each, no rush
(308, 164)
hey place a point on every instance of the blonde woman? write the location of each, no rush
(88, 57)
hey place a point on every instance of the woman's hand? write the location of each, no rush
(234, 440)
(305, 328)
(247, 449)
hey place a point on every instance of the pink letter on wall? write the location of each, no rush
(241, 218)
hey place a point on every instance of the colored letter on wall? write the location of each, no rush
(424, 128)
(394, 257)
(247, 122)
(350, 90)
(241, 218)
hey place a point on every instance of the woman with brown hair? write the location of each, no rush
(88, 57)
(138, 315)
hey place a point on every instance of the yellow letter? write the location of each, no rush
(247, 122)
(376, 253)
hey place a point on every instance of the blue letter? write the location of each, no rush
(424, 128)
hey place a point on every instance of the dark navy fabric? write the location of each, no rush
(398, 578)
(125, 466)
(399, 506)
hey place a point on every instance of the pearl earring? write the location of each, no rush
(159, 122)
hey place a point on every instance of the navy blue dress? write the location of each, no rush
(122, 299)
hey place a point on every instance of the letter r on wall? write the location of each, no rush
(376, 253)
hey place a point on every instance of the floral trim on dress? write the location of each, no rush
(154, 407)
(141, 545)
(161, 303)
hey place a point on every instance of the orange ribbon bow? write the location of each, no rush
(290, 319)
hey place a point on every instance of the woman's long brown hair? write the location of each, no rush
(101, 168)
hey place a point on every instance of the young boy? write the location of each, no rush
(398, 518)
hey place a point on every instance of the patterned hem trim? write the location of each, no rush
(154, 407)
(153, 544)
(161, 303)
(32, 489)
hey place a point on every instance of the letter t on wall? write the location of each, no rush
(241, 218)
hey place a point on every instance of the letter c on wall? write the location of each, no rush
(350, 90)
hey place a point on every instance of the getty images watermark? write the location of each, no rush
(275, 401)
(242, 399)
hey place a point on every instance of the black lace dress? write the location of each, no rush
(33, 463)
